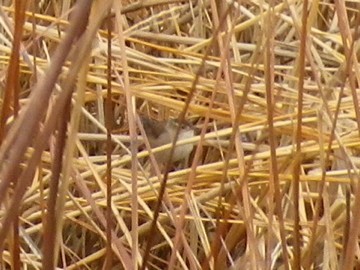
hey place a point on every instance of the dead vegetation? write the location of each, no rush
(272, 88)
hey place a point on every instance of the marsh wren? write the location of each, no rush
(161, 133)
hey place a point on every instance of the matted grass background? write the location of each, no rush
(272, 88)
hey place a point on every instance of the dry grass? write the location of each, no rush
(272, 182)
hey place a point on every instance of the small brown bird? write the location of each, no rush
(161, 133)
